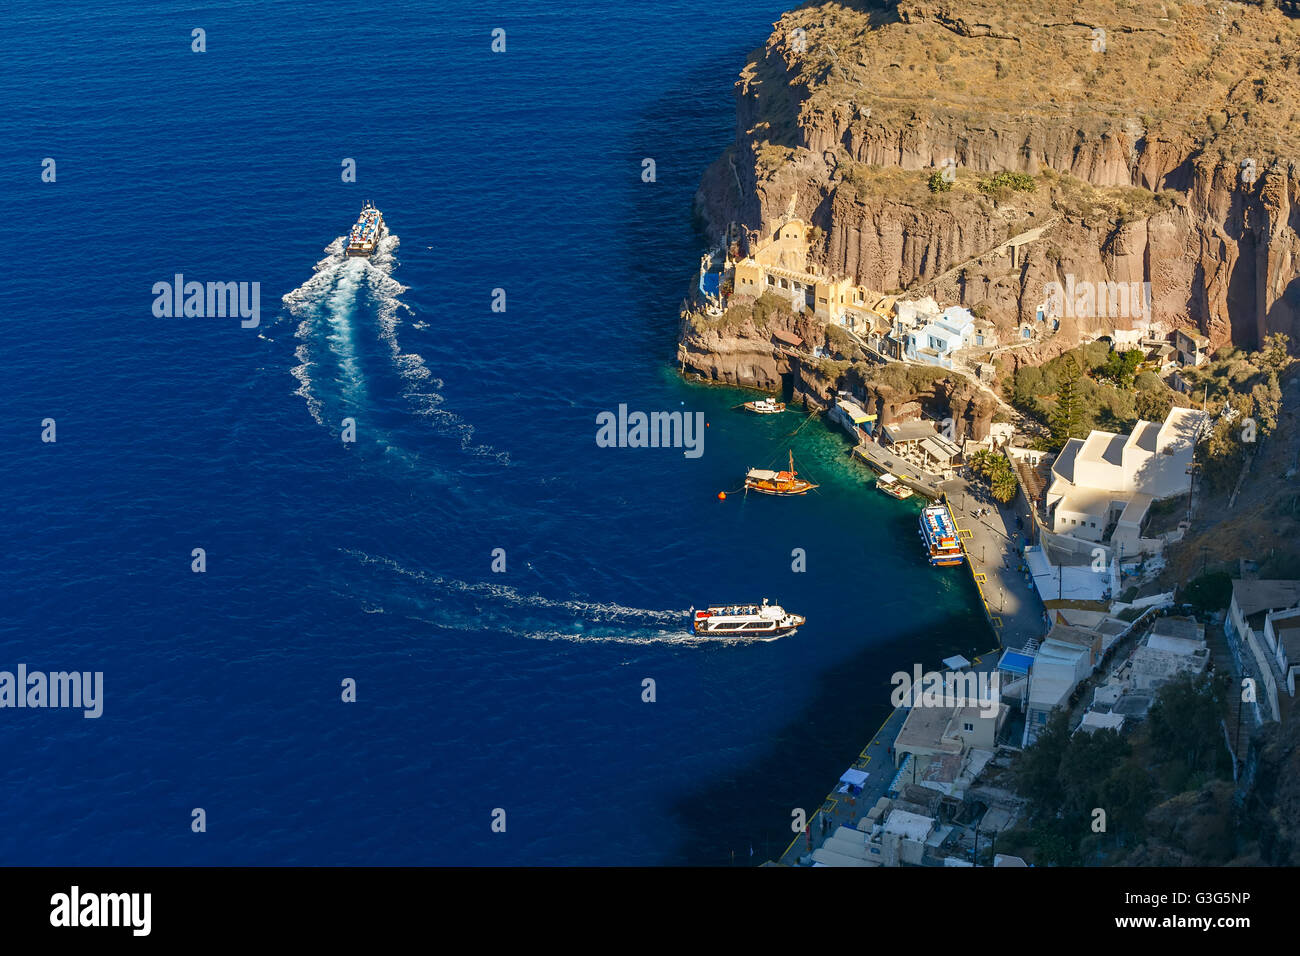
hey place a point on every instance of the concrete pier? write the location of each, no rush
(879, 459)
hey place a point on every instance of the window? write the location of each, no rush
(968, 727)
(771, 280)
(979, 340)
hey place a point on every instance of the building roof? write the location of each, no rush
(910, 826)
(1196, 337)
(1179, 627)
(1144, 435)
(1093, 502)
(1077, 636)
(1286, 629)
(925, 728)
(1265, 595)
(1174, 645)
(910, 431)
(1063, 466)
(1106, 447)
(939, 447)
(1094, 721)
(1136, 509)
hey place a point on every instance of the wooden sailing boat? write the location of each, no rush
(777, 482)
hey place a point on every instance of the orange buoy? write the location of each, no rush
(722, 496)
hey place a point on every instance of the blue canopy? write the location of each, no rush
(1015, 663)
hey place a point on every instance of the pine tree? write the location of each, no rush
(1066, 422)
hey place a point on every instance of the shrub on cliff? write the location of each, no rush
(1001, 182)
(1243, 394)
(938, 184)
(769, 306)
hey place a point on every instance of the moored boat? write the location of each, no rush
(765, 406)
(725, 621)
(777, 482)
(940, 536)
(892, 486)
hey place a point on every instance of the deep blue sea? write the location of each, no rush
(475, 431)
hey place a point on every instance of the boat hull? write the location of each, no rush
(798, 489)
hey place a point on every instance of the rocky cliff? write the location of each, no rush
(1161, 137)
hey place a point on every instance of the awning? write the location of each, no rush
(854, 778)
(1014, 663)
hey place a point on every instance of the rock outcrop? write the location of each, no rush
(1161, 137)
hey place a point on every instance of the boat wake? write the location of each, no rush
(504, 609)
(325, 308)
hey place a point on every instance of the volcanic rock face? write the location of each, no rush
(1161, 137)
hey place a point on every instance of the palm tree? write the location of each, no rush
(1004, 483)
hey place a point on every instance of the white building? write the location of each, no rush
(1282, 632)
(1107, 478)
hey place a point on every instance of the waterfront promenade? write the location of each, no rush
(993, 549)
(1016, 617)
(877, 760)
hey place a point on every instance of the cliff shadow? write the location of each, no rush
(751, 805)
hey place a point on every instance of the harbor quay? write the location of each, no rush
(845, 808)
(992, 540)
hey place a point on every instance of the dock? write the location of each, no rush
(875, 457)
(876, 759)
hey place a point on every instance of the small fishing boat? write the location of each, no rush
(891, 486)
(765, 406)
(777, 482)
(724, 621)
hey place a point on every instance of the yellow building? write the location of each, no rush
(780, 264)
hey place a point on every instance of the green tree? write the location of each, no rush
(1274, 356)
(1003, 481)
(1185, 721)
(1153, 404)
(1127, 795)
(1039, 768)
(1066, 421)
(1088, 760)
(1120, 367)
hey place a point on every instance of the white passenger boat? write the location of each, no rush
(767, 621)
(364, 238)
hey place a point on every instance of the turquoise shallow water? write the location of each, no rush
(477, 690)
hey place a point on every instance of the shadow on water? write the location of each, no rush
(751, 806)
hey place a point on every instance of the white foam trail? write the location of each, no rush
(422, 386)
(331, 292)
(302, 372)
(681, 638)
(591, 611)
(341, 305)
